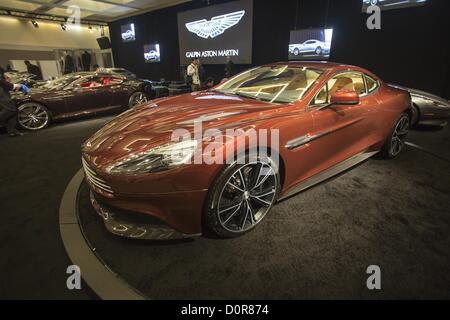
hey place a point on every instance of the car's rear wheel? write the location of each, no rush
(33, 116)
(241, 197)
(396, 141)
(136, 98)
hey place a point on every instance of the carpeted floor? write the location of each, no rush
(315, 245)
(35, 170)
(318, 244)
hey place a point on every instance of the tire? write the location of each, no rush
(415, 114)
(318, 50)
(137, 98)
(395, 142)
(241, 197)
(296, 52)
(33, 116)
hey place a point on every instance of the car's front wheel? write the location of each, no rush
(33, 116)
(136, 98)
(241, 197)
(396, 141)
(296, 52)
(318, 50)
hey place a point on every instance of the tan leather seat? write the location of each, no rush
(341, 84)
(298, 82)
(359, 87)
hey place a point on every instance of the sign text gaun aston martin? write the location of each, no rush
(216, 32)
(213, 53)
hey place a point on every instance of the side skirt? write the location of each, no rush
(328, 173)
(90, 112)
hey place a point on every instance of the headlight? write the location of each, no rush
(157, 159)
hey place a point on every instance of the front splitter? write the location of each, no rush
(135, 230)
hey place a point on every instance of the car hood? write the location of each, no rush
(152, 124)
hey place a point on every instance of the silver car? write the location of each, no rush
(310, 46)
(128, 35)
(428, 109)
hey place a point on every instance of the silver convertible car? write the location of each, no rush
(311, 46)
(428, 109)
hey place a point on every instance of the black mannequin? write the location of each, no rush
(86, 61)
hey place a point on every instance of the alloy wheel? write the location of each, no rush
(399, 135)
(247, 196)
(32, 116)
(138, 98)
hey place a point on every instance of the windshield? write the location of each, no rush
(120, 71)
(276, 84)
(124, 72)
(15, 77)
(62, 81)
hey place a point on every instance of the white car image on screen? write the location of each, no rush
(151, 55)
(310, 46)
(128, 35)
(392, 4)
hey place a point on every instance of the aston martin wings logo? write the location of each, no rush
(216, 26)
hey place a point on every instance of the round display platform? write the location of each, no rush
(317, 244)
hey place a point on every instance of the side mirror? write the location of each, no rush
(348, 97)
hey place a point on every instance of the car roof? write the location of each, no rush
(323, 65)
(314, 64)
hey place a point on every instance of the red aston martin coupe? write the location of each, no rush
(322, 118)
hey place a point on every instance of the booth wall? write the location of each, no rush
(19, 34)
(20, 40)
(411, 49)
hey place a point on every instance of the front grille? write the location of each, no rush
(92, 177)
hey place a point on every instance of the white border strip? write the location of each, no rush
(106, 284)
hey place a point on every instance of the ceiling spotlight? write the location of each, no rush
(63, 27)
(34, 23)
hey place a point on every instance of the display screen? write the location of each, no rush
(152, 53)
(128, 33)
(213, 33)
(392, 4)
(310, 44)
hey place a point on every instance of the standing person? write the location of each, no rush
(69, 66)
(8, 109)
(192, 71)
(86, 61)
(201, 74)
(209, 83)
(229, 68)
(34, 69)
